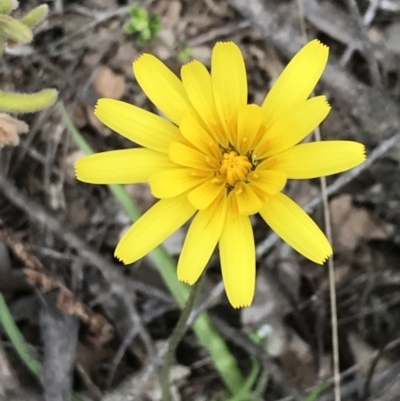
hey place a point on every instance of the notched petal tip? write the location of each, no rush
(241, 305)
(359, 151)
(318, 43)
(364, 152)
(101, 105)
(142, 57)
(98, 104)
(121, 258)
(325, 258)
(317, 50)
(185, 280)
(142, 62)
(326, 101)
(226, 46)
(184, 66)
(225, 42)
(78, 167)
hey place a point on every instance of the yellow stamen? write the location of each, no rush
(235, 167)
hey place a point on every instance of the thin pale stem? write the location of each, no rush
(331, 267)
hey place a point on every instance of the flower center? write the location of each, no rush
(234, 167)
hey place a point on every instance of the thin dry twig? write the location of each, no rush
(368, 51)
(111, 273)
(38, 276)
(256, 351)
(349, 387)
(217, 34)
(366, 20)
(99, 18)
(331, 267)
(137, 328)
(133, 388)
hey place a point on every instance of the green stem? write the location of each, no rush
(209, 338)
(18, 342)
(176, 337)
(244, 393)
(16, 338)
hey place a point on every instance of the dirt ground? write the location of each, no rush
(95, 325)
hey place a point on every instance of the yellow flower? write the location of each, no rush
(219, 160)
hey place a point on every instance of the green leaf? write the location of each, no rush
(15, 30)
(35, 16)
(27, 102)
(6, 6)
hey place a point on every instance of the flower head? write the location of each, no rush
(218, 159)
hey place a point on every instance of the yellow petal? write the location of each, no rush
(250, 119)
(158, 223)
(247, 200)
(228, 75)
(161, 86)
(137, 125)
(237, 253)
(268, 181)
(295, 227)
(126, 166)
(292, 128)
(173, 181)
(317, 159)
(205, 194)
(200, 242)
(196, 134)
(197, 83)
(186, 156)
(297, 80)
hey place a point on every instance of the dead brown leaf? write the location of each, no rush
(10, 128)
(37, 275)
(108, 84)
(352, 224)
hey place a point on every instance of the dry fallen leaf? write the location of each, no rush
(364, 354)
(108, 84)
(172, 15)
(351, 224)
(37, 275)
(10, 128)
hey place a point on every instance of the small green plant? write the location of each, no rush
(142, 24)
(15, 32)
(185, 52)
